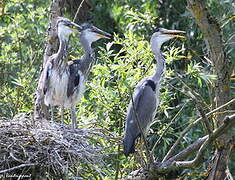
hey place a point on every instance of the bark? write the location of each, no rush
(40, 109)
(222, 68)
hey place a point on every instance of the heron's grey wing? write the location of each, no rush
(144, 107)
(74, 76)
(45, 77)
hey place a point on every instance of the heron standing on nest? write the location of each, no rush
(142, 109)
(62, 82)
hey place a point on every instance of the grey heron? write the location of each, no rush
(79, 68)
(142, 108)
(62, 81)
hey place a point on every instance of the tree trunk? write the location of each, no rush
(221, 67)
(40, 109)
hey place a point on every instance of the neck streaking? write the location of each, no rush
(62, 51)
(161, 64)
(87, 59)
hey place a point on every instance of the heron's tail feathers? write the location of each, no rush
(129, 144)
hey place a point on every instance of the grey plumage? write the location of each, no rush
(63, 82)
(79, 69)
(146, 94)
(53, 80)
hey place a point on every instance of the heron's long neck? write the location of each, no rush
(161, 64)
(87, 60)
(62, 52)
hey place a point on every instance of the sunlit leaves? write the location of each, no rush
(23, 28)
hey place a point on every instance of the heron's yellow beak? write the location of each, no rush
(174, 33)
(103, 36)
(75, 27)
(176, 36)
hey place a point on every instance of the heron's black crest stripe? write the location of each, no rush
(157, 30)
(151, 84)
(87, 26)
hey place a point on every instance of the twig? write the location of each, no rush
(200, 103)
(159, 139)
(79, 7)
(119, 133)
(191, 125)
(17, 167)
(193, 94)
(205, 119)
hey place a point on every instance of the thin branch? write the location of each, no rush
(79, 7)
(119, 132)
(192, 93)
(17, 167)
(205, 119)
(189, 150)
(159, 139)
(200, 103)
(228, 123)
(191, 125)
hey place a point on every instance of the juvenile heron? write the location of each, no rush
(62, 81)
(54, 77)
(80, 68)
(146, 94)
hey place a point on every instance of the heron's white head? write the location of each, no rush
(162, 35)
(90, 34)
(65, 27)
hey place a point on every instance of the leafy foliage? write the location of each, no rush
(23, 27)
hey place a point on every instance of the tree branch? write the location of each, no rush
(190, 126)
(171, 164)
(79, 7)
(200, 104)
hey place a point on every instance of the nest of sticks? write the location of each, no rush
(49, 150)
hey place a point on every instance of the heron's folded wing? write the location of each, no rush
(74, 77)
(145, 105)
(44, 78)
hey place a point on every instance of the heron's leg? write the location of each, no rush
(73, 117)
(62, 114)
(52, 113)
